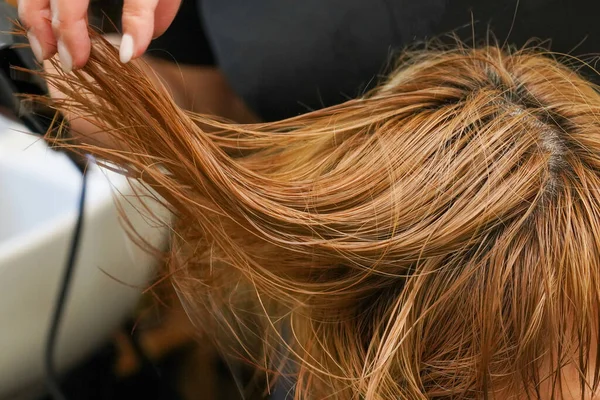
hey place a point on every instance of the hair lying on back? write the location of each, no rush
(437, 238)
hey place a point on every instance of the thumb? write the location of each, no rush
(164, 16)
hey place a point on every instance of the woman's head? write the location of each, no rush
(439, 237)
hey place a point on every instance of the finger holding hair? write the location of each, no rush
(138, 28)
(144, 20)
(70, 24)
(35, 15)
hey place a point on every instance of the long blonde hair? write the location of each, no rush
(437, 238)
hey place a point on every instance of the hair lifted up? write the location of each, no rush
(436, 238)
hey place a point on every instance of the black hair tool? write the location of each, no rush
(40, 120)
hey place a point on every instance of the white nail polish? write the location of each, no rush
(36, 48)
(55, 20)
(55, 24)
(126, 49)
(66, 60)
(54, 10)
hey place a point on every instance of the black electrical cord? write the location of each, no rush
(52, 380)
(41, 120)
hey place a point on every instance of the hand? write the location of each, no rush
(62, 26)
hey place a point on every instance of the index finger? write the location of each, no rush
(35, 15)
(69, 20)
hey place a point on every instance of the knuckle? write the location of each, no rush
(137, 13)
(70, 25)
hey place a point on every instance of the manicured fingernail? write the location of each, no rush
(66, 60)
(126, 50)
(55, 23)
(54, 9)
(36, 48)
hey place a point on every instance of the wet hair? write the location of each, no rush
(438, 237)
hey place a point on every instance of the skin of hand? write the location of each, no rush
(62, 26)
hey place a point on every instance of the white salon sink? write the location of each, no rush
(39, 192)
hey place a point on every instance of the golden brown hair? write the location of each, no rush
(437, 238)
